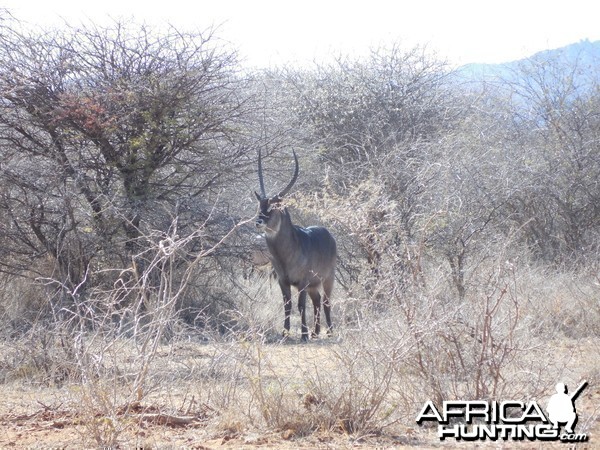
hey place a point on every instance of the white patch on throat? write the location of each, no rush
(272, 231)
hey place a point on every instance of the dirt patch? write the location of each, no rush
(242, 395)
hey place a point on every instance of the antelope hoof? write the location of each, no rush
(285, 333)
(314, 335)
(304, 337)
(330, 332)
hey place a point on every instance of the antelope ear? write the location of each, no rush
(258, 197)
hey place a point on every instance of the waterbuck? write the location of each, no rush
(302, 257)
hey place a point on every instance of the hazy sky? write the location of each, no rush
(275, 32)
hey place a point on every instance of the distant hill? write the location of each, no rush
(584, 56)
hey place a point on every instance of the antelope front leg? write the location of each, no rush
(302, 310)
(287, 307)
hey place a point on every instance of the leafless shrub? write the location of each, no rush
(459, 256)
(358, 398)
(107, 346)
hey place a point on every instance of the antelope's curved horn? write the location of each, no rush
(294, 177)
(260, 176)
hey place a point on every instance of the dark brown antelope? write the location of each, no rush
(302, 257)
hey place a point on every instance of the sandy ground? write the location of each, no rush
(33, 415)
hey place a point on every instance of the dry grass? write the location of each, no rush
(153, 382)
(253, 394)
(358, 389)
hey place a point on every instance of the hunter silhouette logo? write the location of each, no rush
(561, 407)
(472, 420)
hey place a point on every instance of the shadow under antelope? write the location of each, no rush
(302, 257)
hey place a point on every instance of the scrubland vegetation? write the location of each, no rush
(132, 310)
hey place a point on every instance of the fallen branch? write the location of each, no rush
(167, 419)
